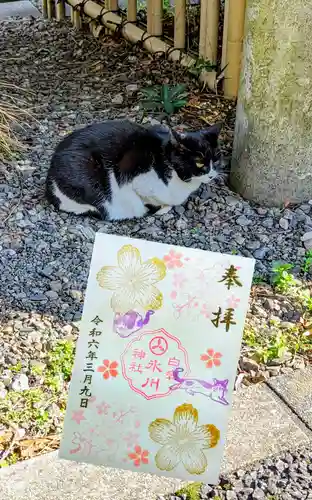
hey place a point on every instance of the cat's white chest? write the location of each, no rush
(154, 191)
(125, 203)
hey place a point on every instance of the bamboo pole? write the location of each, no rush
(203, 28)
(209, 25)
(77, 21)
(213, 10)
(154, 17)
(132, 11)
(60, 10)
(179, 23)
(113, 5)
(235, 35)
(50, 9)
(134, 34)
(225, 33)
(45, 8)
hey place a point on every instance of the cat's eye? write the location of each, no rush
(200, 165)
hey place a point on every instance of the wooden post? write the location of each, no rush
(60, 10)
(50, 9)
(154, 17)
(179, 23)
(234, 46)
(45, 8)
(209, 25)
(132, 11)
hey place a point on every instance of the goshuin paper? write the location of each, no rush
(156, 358)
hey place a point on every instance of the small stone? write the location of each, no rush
(51, 295)
(240, 240)
(262, 211)
(284, 223)
(118, 99)
(258, 494)
(132, 88)
(306, 207)
(281, 466)
(34, 336)
(76, 295)
(243, 221)
(253, 245)
(56, 286)
(307, 240)
(261, 253)
(268, 304)
(181, 225)
(268, 223)
(307, 236)
(232, 201)
(179, 209)
(37, 365)
(37, 297)
(47, 271)
(67, 329)
(6, 377)
(248, 364)
(20, 383)
(230, 495)
(3, 392)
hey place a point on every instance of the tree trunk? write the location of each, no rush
(272, 157)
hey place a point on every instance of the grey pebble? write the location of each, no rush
(20, 383)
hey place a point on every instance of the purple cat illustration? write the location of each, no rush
(130, 322)
(214, 390)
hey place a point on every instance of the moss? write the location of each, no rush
(190, 492)
(274, 120)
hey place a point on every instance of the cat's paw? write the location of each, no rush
(163, 210)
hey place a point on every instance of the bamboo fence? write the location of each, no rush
(226, 58)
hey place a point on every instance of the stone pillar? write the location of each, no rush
(272, 157)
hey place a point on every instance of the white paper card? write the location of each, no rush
(156, 358)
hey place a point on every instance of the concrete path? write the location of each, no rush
(22, 8)
(265, 421)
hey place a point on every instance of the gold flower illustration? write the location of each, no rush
(183, 440)
(132, 282)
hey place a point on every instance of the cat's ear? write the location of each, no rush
(211, 134)
(194, 139)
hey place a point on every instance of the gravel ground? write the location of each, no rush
(287, 477)
(44, 256)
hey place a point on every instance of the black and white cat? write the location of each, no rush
(121, 170)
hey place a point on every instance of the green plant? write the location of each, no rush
(275, 341)
(164, 98)
(307, 262)
(60, 359)
(282, 279)
(16, 368)
(201, 65)
(190, 492)
(258, 279)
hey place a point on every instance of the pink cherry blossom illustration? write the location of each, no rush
(78, 416)
(173, 259)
